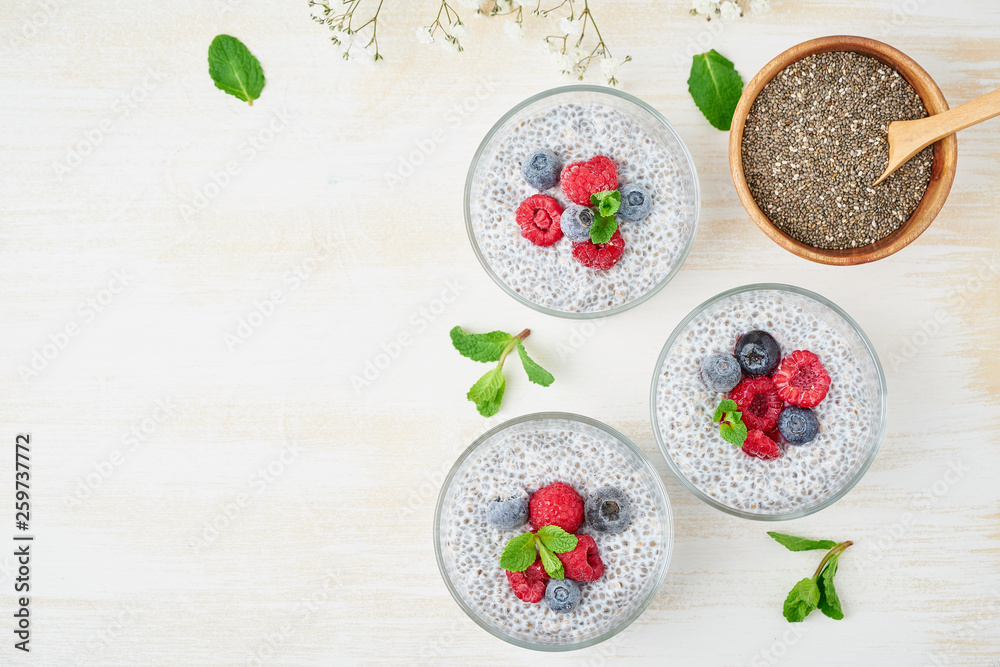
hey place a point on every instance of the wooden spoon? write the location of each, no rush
(909, 137)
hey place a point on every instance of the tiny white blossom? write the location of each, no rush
(564, 63)
(450, 44)
(729, 11)
(513, 29)
(458, 29)
(707, 7)
(609, 67)
(424, 35)
(760, 6)
(573, 29)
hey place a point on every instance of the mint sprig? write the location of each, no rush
(487, 392)
(234, 69)
(730, 421)
(715, 86)
(817, 591)
(520, 551)
(605, 225)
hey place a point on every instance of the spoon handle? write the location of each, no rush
(909, 137)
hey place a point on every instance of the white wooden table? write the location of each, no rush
(210, 487)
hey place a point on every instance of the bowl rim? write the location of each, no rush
(652, 474)
(942, 170)
(883, 413)
(552, 92)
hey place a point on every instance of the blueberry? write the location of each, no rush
(798, 425)
(720, 372)
(608, 510)
(758, 353)
(541, 169)
(635, 203)
(575, 222)
(508, 510)
(562, 595)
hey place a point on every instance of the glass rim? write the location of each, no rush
(873, 355)
(652, 473)
(581, 88)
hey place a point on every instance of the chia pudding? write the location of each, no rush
(528, 454)
(578, 124)
(851, 418)
(815, 141)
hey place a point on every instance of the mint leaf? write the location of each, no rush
(488, 392)
(603, 229)
(551, 562)
(801, 600)
(793, 543)
(829, 603)
(480, 347)
(731, 426)
(716, 87)
(234, 69)
(556, 539)
(519, 553)
(607, 202)
(536, 373)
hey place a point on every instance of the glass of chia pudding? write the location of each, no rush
(809, 436)
(570, 126)
(567, 457)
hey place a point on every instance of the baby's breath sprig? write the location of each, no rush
(447, 26)
(353, 38)
(572, 55)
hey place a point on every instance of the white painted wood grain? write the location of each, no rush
(130, 576)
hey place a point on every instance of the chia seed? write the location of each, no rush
(816, 139)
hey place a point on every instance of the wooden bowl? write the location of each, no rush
(942, 168)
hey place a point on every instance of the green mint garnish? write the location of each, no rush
(730, 420)
(793, 543)
(817, 591)
(234, 69)
(829, 603)
(716, 87)
(607, 202)
(550, 562)
(480, 347)
(487, 392)
(604, 225)
(521, 551)
(603, 228)
(556, 539)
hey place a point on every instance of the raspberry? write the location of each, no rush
(530, 584)
(600, 257)
(538, 216)
(556, 505)
(583, 563)
(582, 179)
(760, 446)
(759, 402)
(801, 379)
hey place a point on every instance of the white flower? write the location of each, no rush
(424, 35)
(760, 6)
(707, 7)
(458, 29)
(563, 62)
(450, 44)
(343, 40)
(730, 11)
(573, 29)
(513, 29)
(609, 67)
